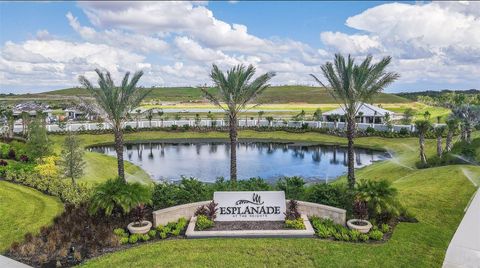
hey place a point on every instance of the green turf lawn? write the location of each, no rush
(23, 210)
(437, 196)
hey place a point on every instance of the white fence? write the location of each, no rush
(220, 123)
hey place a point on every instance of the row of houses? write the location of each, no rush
(367, 113)
(51, 116)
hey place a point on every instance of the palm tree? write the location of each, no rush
(25, 121)
(236, 90)
(160, 114)
(150, 117)
(10, 122)
(138, 112)
(439, 131)
(422, 127)
(469, 115)
(116, 102)
(260, 114)
(452, 126)
(352, 85)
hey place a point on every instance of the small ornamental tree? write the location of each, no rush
(38, 144)
(72, 158)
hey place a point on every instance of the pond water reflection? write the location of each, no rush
(208, 161)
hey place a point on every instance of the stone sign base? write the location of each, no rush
(308, 232)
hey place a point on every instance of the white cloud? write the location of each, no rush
(163, 18)
(118, 38)
(436, 41)
(353, 44)
(175, 43)
(57, 62)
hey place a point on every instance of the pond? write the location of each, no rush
(210, 160)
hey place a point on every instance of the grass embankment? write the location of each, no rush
(274, 94)
(23, 210)
(437, 196)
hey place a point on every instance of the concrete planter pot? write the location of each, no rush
(365, 228)
(146, 225)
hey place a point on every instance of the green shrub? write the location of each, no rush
(345, 234)
(116, 194)
(152, 233)
(363, 237)
(292, 186)
(187, 191)
(384, 228)
(203, 223)
(176, 232)
(182, 222)
(295, 224)
(144, 237)
(328, 194)
(163, 235)
(26, 174)
(323, 231)
(124, 240)
(355, 235)
(120, 232)
(375, 235)
(160, 228)
(133, 239)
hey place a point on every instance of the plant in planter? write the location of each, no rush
(210, 211)
(360, 222)
(206, 216)
(139, 225)
(293, 218)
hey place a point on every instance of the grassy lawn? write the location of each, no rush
(437, 196)
(23, 210)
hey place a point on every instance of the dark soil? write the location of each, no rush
(247, 225)
(359, 223)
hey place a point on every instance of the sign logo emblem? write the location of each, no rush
(256, 200)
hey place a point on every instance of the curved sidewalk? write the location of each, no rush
(464, 249)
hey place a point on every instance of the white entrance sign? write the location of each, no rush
(250, 206)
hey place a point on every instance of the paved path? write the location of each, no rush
(464, 249)
(9, 263)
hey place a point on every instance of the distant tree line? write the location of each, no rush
(445, 98)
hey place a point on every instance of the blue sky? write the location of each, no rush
(47, 45)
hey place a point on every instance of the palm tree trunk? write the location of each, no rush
(351, 152)
(119, 151)
(423, 158)
(448, 142)
(468, 134)
(439, 146)
(233, 148)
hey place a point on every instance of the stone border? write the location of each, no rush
(172, 214)
(308, 232)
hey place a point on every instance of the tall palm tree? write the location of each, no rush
(452, 126)
(149, 117)
(236, 90)
(10, 122)
(469, 115)
(352, 85)
(439, 131)
(25, 121)
(116, 102)
(422, 127)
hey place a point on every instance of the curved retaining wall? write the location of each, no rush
(172, 214)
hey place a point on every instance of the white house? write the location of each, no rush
(367, 113)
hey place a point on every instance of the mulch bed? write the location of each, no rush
(247, 225)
